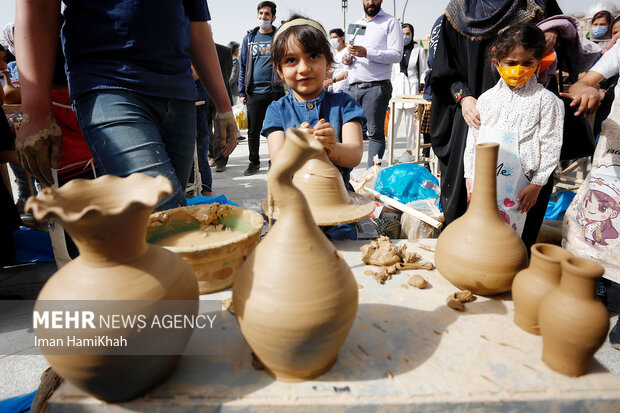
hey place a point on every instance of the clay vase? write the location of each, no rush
(479, 252)
(12, 95)
(532, 284)
(295, 297)
(107, 218)
(573, 322)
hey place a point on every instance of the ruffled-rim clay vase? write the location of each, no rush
(479, 251)
(295, 297)
(330, 202)
(532, 284)
(573, 322)
(107, 218)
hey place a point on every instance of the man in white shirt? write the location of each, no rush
(369, 63)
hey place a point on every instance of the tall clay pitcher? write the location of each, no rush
(479, 251)
(295, 297)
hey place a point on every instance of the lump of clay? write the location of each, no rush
(456, 300)
(417, 281)
(382, 252)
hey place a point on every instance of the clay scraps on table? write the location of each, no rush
(456, 300)
(390, 259)
(227, 304)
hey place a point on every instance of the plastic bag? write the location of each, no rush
(240, 111)
(558, 204)
(367, 180)
(413, 228)
(407, 182)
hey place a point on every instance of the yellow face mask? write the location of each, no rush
(516, 75)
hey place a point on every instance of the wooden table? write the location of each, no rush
(407, 351)
(417, 139)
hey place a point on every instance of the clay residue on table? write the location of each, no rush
(390, 259)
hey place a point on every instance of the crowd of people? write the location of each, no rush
(96, 90)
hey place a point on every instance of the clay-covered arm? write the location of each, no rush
(39, 140)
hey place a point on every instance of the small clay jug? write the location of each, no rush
(573, 322)
(479, 251)
(107, 218)
(12, 94)
(532, 284)
(295, 297)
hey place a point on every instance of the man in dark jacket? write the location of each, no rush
(258, 82)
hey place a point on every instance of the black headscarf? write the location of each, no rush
(481, 19)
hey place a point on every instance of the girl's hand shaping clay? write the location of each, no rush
(326, 134)
(528, 197)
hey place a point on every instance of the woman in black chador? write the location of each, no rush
(461, 72)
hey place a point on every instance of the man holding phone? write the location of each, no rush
(369, 63)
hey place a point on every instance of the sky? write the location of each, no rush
(232, 18)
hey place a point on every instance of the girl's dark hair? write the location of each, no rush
(312, 39)
(604, 14)
(616, 20)
(526, 35)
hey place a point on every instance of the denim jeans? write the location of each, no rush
(374, 100)
(128, 132)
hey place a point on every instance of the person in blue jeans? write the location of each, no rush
(130, 81)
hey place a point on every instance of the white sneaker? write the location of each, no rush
(406, 157)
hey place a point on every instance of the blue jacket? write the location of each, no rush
(246, 66)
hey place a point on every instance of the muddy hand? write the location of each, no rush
(38, 149)
(226, 129)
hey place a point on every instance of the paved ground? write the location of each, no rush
(20, 374)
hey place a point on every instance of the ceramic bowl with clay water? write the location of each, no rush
(214, 262)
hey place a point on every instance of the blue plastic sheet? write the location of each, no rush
(201, 200)
(32, 245)
(407, 182)
(558, 204)
(17, 404)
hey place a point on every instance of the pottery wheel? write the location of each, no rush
(359, 208)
